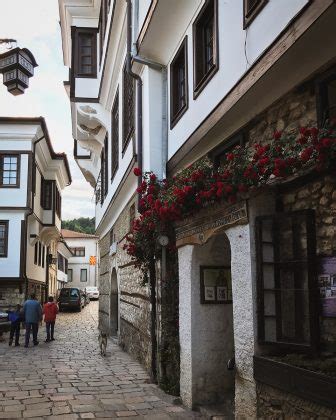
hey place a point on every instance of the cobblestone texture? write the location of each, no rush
(68, 379)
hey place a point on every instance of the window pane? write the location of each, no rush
(270, 329)
(268, 252)
(268, 276)
(269, 303)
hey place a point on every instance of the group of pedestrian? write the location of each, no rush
(32, 315)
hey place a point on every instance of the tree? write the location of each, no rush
(82, 225)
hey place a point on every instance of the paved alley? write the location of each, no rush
(68, 379)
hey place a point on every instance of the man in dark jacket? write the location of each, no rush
(33, 315)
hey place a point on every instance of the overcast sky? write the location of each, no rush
(35, 25)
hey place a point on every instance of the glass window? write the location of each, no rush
(286, 252)
(83, 275)
(69, 275)
(9, 170)
(3, 238)
(205, 45)
(128, 107)
(179, 84)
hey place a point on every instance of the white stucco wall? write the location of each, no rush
(78, 263)
(10, 266)
(15, 197)
(235, 57)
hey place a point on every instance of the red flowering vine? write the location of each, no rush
(163, 202)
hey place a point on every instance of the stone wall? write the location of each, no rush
(296, 109)
(134, 307)
(11, 296)
(275, 404)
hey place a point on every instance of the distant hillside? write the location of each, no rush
(82, 225)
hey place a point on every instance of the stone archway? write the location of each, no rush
(114, 304)
(206, 325)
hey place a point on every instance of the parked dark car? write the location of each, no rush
(72, 298)
(4, 322)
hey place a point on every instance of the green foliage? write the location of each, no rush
(82, 225)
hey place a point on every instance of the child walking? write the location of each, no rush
(15, 318)
(50, 310)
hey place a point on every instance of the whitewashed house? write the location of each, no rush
(32, 177)
(64, 253)
(82, 268)
(160, 85)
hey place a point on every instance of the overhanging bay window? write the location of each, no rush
(85, 52)
(287, 286)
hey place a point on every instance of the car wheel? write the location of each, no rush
(80, 308)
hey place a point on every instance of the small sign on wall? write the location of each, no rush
(92, 260)
(327, 286)
(216, 285)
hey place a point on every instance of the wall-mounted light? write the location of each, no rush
(17, 66)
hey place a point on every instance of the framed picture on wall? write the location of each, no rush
(215, 284)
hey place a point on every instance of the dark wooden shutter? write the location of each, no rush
(115, 136)
(128, 107)
(287, 286)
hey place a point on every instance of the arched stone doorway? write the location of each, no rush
(206, 322)
(114, 304)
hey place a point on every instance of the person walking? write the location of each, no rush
(15, 318)
(33, 315)
(50, 310)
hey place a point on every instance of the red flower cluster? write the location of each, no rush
(199, 185)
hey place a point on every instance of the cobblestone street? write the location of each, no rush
(68, 379)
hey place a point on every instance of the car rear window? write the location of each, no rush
(69, 292)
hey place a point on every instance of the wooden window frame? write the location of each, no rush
(77, 67)
(250, 15)
(309, 262)
(322, 102)
(106, 185)
(35, 253)
(202, 78)
(176, 114)
(132, 213)
(115, 136)
(43, 255)
(6, 224)
(46, 183)
(18, 169)
(58, 202)
(70, 270)
(79, 248)
(128, 124)
(39, 254)
(82, 270)
(238, 139)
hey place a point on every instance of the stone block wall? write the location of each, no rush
(296, 109)
(11, 296)
(134, 306)
(277, 405)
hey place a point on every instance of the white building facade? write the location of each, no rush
(169, 83)
(32, 179)
(84, 262)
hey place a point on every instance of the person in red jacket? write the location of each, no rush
(50, 310)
